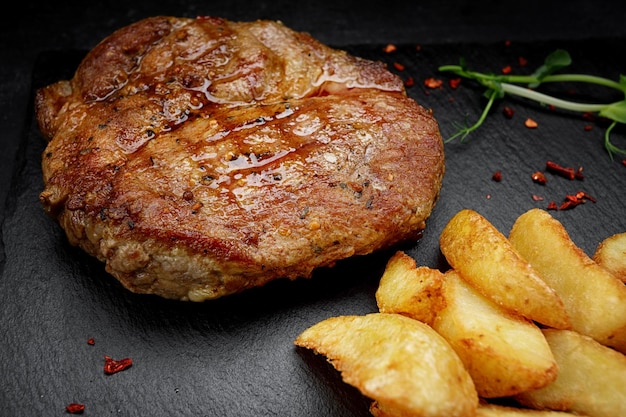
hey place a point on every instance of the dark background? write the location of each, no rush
(234, 356)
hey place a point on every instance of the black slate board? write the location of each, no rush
(235, 356)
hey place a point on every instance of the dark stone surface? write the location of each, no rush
(235, 356)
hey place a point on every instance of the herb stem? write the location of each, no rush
(466, 131)
(550, 100)
(530, 79)
(584, 78)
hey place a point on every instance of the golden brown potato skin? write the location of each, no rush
(200, 157)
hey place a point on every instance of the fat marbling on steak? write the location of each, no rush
(201, 157)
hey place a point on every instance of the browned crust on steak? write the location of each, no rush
(200, 157)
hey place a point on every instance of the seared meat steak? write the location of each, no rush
(200, 157)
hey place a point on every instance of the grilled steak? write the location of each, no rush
(200, 157)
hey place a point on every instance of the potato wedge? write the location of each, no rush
(408, 290)
(595, 300)
(611, 255)
(493, 410)
(485, 258)
(591, 380)
(504, 353)
(401, 363)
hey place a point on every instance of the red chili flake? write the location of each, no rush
(588, 128)
(537, 198)
(624, 162)
(552, 107)
(497, 176)
(574, 200)
(506, 70)
(91, 341)
(454, 83)
(75, 408)
(588, 116)
(112, 366)
(418, 48)
(390, 48)
(508, 112)
(530, 123)
(566, 172)
(579, 174)
(398, 66)
(581, 195)
(507, 43)
(552, 206)
(432, 82)
(409, 82)
(488, 196)
(522, 61)
(569, 203)
(539, 178)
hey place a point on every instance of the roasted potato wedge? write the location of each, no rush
(611, 255)
(591, 380)
(406, 367)
(504, 353)
(594, 298)
(493, 410)
(486, 259)
(409, 290)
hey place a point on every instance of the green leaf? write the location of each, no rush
(554, 62)
(615, 111)
(558, 59)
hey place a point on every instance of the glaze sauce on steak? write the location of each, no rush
(200, 157)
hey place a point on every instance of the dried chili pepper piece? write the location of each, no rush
(522, 61)
(537, 197)
(507, 69)
(573, 200)
(579, 174)
(390, 48)
(581, 195)
(91, 341)
(566, 172)
(539, 178)
(409, 82)
(432, 82)
(75, 408)
(398, 66)
(552, 206)
(569, 203)
(454, 83)
(112, 366)
(497, 176)
(508, 112)
(530, 123)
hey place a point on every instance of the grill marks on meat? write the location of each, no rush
(200, 157)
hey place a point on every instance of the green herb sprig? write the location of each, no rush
(500, 85)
